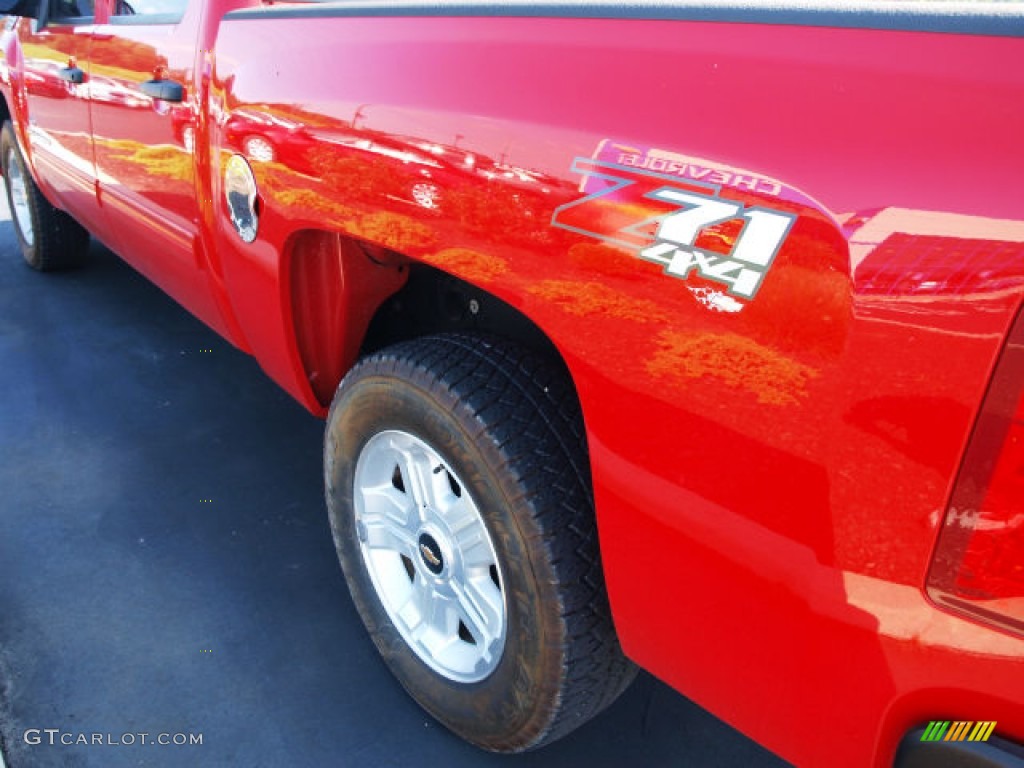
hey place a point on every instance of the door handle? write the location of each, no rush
(164, 90)
(71, 74)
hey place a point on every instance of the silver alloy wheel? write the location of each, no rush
(19, 199)
(429, 556)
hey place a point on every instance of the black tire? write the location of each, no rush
(508, 425)
(50, 239)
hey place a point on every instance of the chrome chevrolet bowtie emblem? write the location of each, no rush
(430, 551)
(429, 556)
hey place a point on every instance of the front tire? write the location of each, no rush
(460, 503)
(49, 238)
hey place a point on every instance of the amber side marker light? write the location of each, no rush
(978, 566)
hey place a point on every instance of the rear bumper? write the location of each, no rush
(994, 753)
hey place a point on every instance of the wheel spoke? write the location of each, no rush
(381, 534)
(477, 555)
(428, 477)
(387, 520)
(415, 608)
(428, 615)
(441, 616)
(384, 501)
(461, 515)
(478, 613)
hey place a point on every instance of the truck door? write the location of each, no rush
(56, 110)
(143, 120)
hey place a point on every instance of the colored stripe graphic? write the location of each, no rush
(982, 731)
(935, 731)
(958, 730)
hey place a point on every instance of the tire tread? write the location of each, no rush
(60, 241)
(534, 419)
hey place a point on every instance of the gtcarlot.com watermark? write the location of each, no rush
(55, 736)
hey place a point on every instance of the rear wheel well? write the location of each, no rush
(432, 302)
(349, 298)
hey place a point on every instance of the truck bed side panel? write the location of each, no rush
(770, 470)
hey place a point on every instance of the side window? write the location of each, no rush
(147, 11)
(71, 11)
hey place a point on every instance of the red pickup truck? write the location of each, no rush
(686, 335)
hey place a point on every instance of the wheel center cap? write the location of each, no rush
(430, 552)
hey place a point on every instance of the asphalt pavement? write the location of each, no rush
(166, 566)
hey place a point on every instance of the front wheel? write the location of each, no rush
(459, 497)
(49, 238)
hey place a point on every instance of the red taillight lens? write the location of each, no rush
(978, 567)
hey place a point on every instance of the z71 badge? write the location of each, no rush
(680, 222)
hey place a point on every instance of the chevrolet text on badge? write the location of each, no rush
(683, 166)
(623, 192)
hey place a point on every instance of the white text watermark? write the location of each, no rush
(55, 736)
